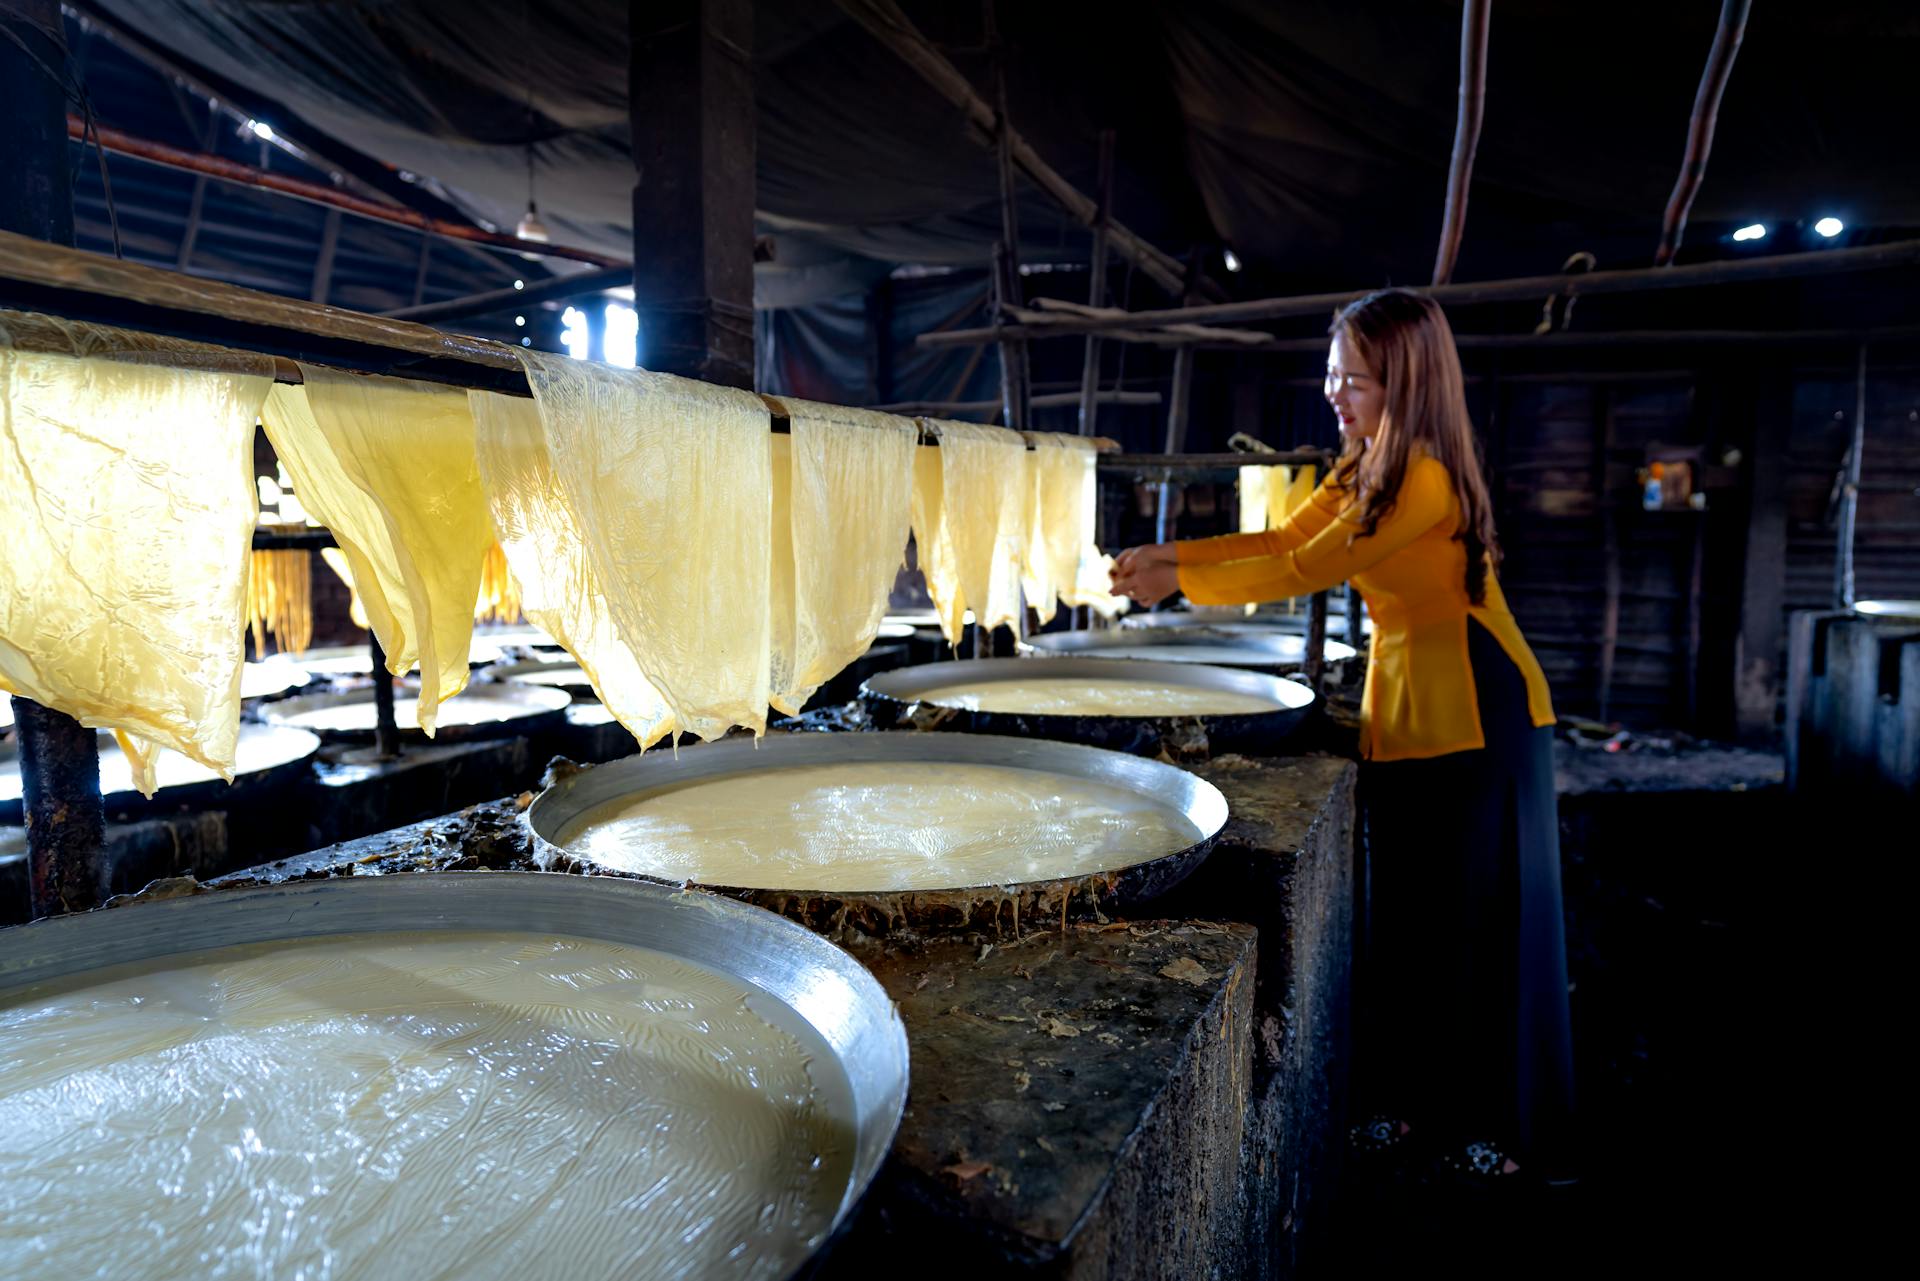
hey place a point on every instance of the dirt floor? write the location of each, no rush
(1693, 958)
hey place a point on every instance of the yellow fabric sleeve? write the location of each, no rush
(1311, 518)
(1283, 563)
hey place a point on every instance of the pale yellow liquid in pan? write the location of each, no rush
(466, 709)
(412, 1106)
(1091, 696)
(879, 826)
(1196, 652)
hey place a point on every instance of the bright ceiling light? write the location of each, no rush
(1233, 259)
(261, 130)
(520, 321)
(519, 284)
(1753, 231)
(1829, 227)
(531, 228)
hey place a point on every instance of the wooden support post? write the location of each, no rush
(1097, 289)
(1610, 543)
(420, 270)
(323, 264)
(1316, 668)
(386, 730)
(1179, 400)
(1015, 380)
(1762, 642)
(1843, 584)
(59, 760)
(1706, 112)
(1474, 22)
(196, 206)
(690, 95)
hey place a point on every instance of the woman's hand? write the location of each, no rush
(1136, 558)
(1146, 575)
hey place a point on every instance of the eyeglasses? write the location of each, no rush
(1335, 380)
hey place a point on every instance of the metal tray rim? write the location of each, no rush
(824, 981)
(551, 812)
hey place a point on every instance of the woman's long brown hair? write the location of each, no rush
(1406, 341)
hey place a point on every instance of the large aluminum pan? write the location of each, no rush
(266, 757)
(1242, 624)
(514, 711)
(555, 810)
(1278, 653)
(813, 990)
(564, 674)
(894, 700)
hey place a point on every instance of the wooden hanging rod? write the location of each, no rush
(71, 283)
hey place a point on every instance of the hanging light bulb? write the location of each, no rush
(530, 227)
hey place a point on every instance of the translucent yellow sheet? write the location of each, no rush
(560, 591)
(1063, 522)
(842, 483)
(1257, 510)
(1268, 495)
(388, 465)
(127, 488)
(1071, 514)
(972, 556)
(669, 481)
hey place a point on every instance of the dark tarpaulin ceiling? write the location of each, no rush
(1312, 135)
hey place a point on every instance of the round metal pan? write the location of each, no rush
(1889, 611)
(877, 911)
(1241, 625)
(344, 662)
(541, 710)
(271, 677)
(815, 991)
(267, 756)
(1278, 653)
(566, 675)
(894, 701)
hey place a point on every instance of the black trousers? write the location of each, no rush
(1461, 991)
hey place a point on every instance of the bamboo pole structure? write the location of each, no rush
(121, 143)
(1474, 23)
(1706, 113)
(885, 21)
(1097, 289)
(1817, 262)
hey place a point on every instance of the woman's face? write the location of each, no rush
(1353, 391)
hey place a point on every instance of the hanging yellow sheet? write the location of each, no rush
(388, 465)
(979, 541)
(560, 591)
(336, 560)
(1258, 511)
(670, 483)
(280, 599)
(842, 483)
(1063, 533)
(127, 487)
(1071, 514)
(499, 595)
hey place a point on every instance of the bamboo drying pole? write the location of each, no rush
(1474, 22)
(1706, 112)
(1817, 262)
